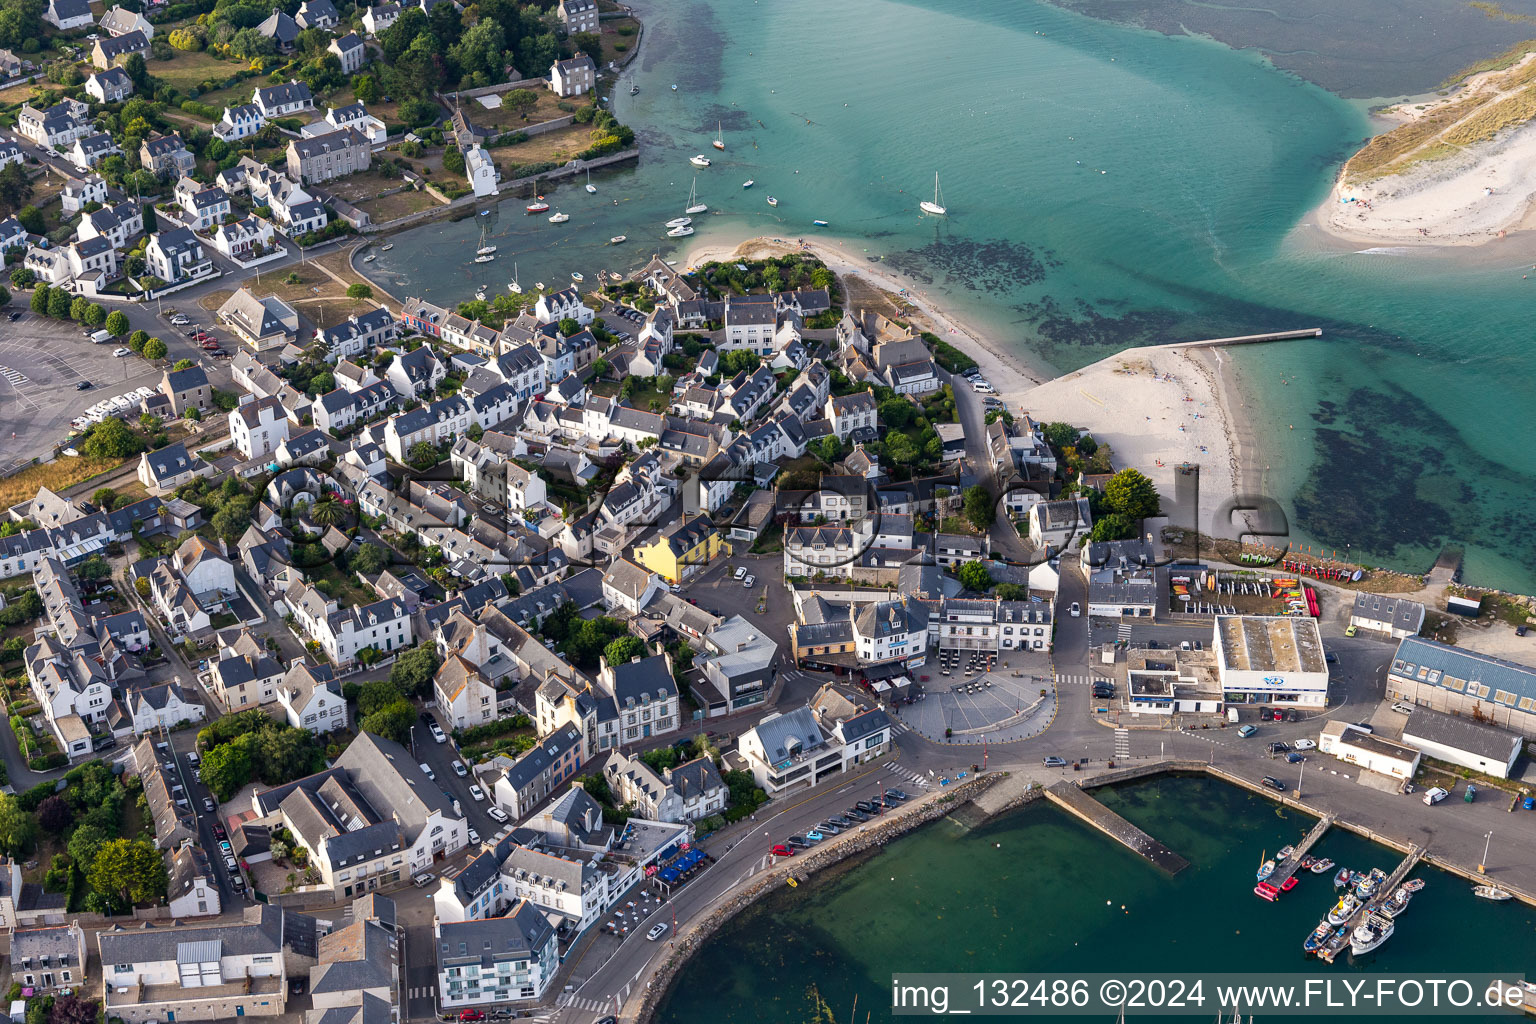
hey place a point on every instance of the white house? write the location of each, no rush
(564, 304)
(258, 427)
(688, 792)
(350, 50)
(433, 423)
(204, 568)
(481, 171)
(66, 15)
(311, 697)
(853, 415)
(240, 122)
(499, 960)
(192, 890)
(110, 86)
(1055, 524)
(577, 15)
(792, 750)
(161, 708)
(572, 77)
(383, 625)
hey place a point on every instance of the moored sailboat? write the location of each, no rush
(937, 207)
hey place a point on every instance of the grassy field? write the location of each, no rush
(397, 205)
(55, 476)
(506, 120)
(613, 39)
(188, 69)
(1494, 118)
(1384, 149)
(556, 146)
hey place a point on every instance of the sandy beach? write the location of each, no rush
(1158, 408)
(1439, 174)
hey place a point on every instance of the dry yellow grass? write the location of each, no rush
(1494, 118)
(1384, 149)
(55, 476)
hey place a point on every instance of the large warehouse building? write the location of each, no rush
(1483, 748)
(1462, 682)
(1271, 659)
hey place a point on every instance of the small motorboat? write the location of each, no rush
(538, 207)
(1265, 891)
(1265, 870)
(1307, 862)
(485, 250)
(1320, 867)
(559, 218)
(748, 183)
(1371, 933)
(386, 247)
(674, 88)
(819, 223)
(633, 89)
(699, 160)
(1366, 885)
(1319, 935)
(369, 258)
(1414, 884)
(484, 259)
(1285, 853)
(1341, 879)
(538, 286)
(772, 201)
(1289, 884)
(480, 294)
(679, 222)
(681, 231)
(485, 213)
(1492, 892)
(616, 239)
(576, 276)
(1343, 910)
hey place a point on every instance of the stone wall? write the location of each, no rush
(929, 809)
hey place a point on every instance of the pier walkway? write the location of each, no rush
(1248, 339)
(1067, 795)
(1292, 864)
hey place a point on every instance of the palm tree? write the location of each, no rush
(422, 455)
(327, 511)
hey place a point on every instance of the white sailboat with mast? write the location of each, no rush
(936, 207)
(590, 187)
(694, 206)
(719, 142)
(512, 285)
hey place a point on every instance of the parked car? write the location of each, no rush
(747, 583)
(474, 836)
(120, 352)
(423, 880)
(1247, 730)
(841, 822)
(84, 385)
(1055, 762)
(1305, 744)
(468, 1016)
(426, 770)
(798, 842)
(780, 850)
(208, 805)
(1076, 609)
(437, 733)
(867, 807)
(1294, 758)
(1279, 747)
(460, 770)
(1434, 795)
(476, 792)
(814, 837)
(1403, 709)
(856, 814)
(828, 828)
(497, 813)
(1273, 783)
(894, 794)
(741, 572)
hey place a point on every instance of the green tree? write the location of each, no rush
(104, 498)
(17, 829)
(1011, 592)
(618, 652)
(136, 341)
(979, 507)
(94, 568)
(393, 721)
(31, 218)
(900, 449)
(40, 298)
(1112, 526)
(366, 89)
(1060, 435)
(226, 768)
(422, 455)
(234, 518)
(1131, 494)
(129, 871)
(154, 349)
(412, 672)
(117, 323)
(568, 327)
(111, 439)
(21, 277)
(357, 291)
(521, 101)
(376, 695)
(77, 309)
(328, 511)
(96, 315)
(369, 559)
(974, 576)
(84, 843)
(182, 364)
(58, 304)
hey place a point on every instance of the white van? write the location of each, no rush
(1232, 715)
(100, 336)
(1434, 796)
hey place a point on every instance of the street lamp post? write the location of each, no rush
(1482, 865)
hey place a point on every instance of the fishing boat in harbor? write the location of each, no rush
(1344, 909)
(1321, 934)
(369, 258)
(681, 231)
(1414, 884)
(699, 160)
(1284, 854)
(1341, 879)
(1397, 902)
(1367, 884)
(772, 201)
(480, 293)
(590, 187)
(538, 286)
(937, 207)
(1321, 867)
(1371, 933)
(719, 142)
(559, 218)
(485, 258)
(1492, 892)
(1265, 870)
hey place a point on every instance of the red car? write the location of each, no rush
(1279, 716)
(470, 1015)
(781, 850)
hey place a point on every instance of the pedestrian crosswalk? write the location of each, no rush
(1123, 633)
(1122, 743)
(16, 377)
(423, 992)
(1084, 679)
(898, 727)
(584, 1003)
(908, 774)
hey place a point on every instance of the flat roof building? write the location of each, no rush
(1471, 744)
(1271, 659)
(1375, 753)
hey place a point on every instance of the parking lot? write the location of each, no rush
(1003, 703)
(42, 361)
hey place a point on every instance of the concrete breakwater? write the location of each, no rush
(930, 809)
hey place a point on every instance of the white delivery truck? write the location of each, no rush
(1232, 715)
(101, 336)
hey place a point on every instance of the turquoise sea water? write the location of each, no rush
(1038, 891)
(1406, 426)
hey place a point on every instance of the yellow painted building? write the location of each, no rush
(682, 549)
